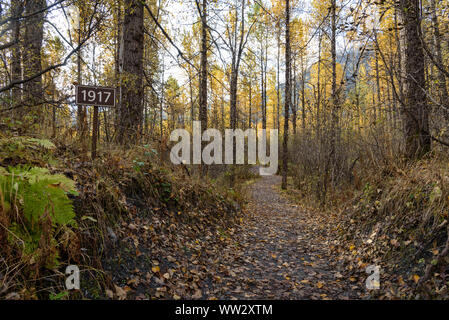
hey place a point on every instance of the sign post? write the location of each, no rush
(94, 133)
(97, 97)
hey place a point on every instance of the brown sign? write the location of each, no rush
(95, 96)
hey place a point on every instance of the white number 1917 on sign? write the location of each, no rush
(95, 96)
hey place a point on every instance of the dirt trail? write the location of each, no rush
(279, 251)
(280, 254)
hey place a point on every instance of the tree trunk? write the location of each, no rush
(379, 103)
(263, 88)
(278, 78)
(287, 95)
(318, 83)
(203, 75)
(335, 103)
(442, 86)
(118, 61)
(192, 105)
(399, 72)
(294, 106)
(235, 65)
(233, 98)
(415, 110)
(132, 90)
(303, 93)
(222, 109)
(161, 105)
(250, 105)
(16, 58)
(81, 110)
(32, 64)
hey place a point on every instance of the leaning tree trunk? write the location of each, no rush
(32, 65)
(131, 114)
(415, 110)
(288, 95)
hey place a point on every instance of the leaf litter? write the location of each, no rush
(272, 250)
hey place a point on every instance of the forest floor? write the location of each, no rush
(279, 251)
(283, 253)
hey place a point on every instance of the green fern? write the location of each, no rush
(21, 150)
(37, 174)
(22, 142)
(45, 143)
(43, 195)
(35, 191)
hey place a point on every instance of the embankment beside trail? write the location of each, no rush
(131, 224)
